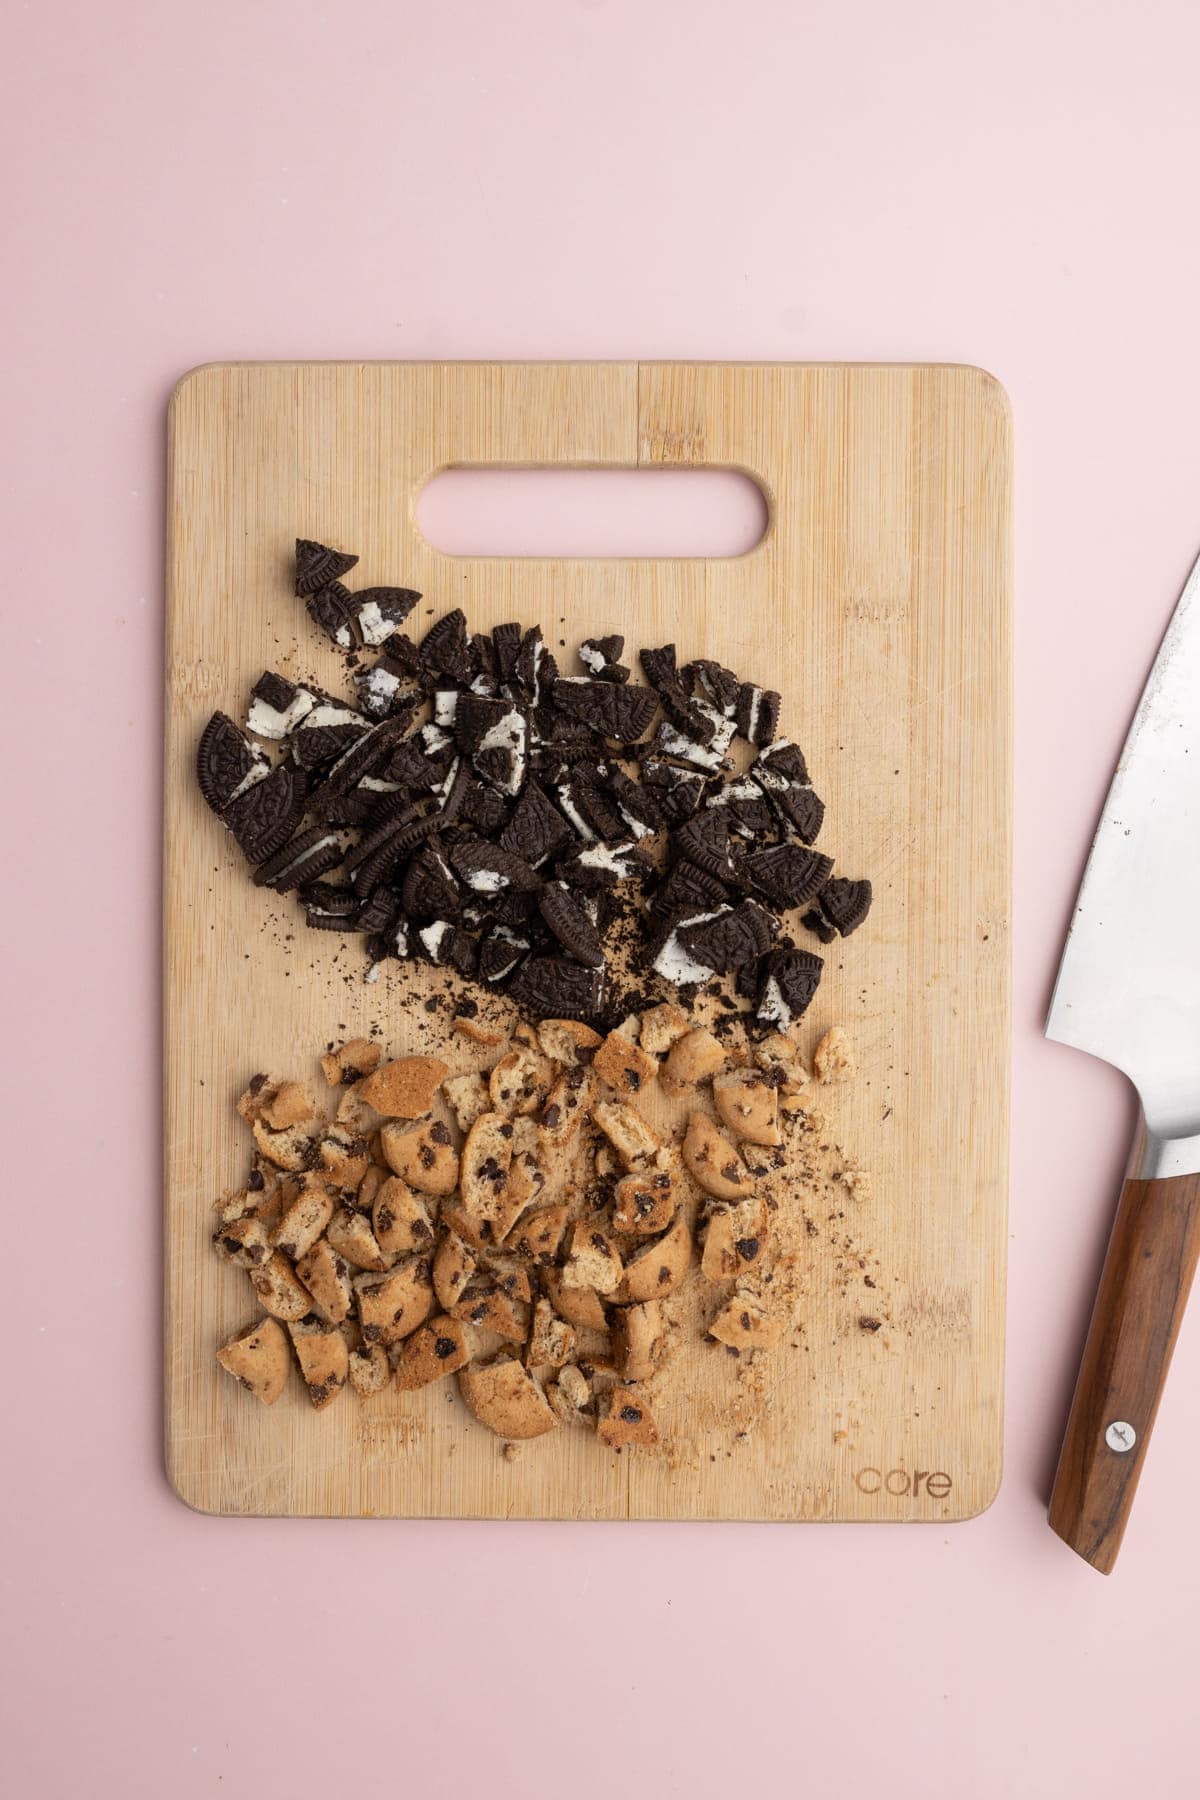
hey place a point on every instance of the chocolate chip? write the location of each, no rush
(747, 1248)
(444, 1347)
(631, 1415)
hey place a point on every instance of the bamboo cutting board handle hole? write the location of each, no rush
(482, 510)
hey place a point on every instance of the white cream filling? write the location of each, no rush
(639, 827)
(380, 685)
(434, 739)
(270, 722)
(328, 714)
(374, 623)
(578, 821)
(486, 881)
(371, 784)
(431, 936)
(773, 1009)
(445, 704)
(614, 860)
(592, 658)
(673, 742)
(258, 772)
(673, 962)
(374, 972)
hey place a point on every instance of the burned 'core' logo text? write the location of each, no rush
(901, 1482)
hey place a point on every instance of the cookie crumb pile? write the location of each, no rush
(520, 1228)
(474, 807)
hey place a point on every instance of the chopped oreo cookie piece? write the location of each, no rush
(530, 667)
(382, 691)
(506, 642)
(588, 803)
(487, 869)
(332, 608)
(317, 565)
(718, 685)
(731, 938)
(704, 841)
(621, 714)
(554, 987)
(601, 657)
(570, 925)
(638, 806)
(789, 979)
(475, 717)
(536, 830)
(602, 865)
(277, 706)
(662, 672)
(500, 952)
(447, 945)
(304, 858)
(783, 776)
(669, 956)
(482, 808)
(841, 907)
(430, 889)
(227, 763)
(380, 913)
(787, 874)
(380, 611)
(687, 889)
(702, 752)
(446, 649)
(317, 746)
(264, 815)
(744, 805)
(757, 714)
(678, 791)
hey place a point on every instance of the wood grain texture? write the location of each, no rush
(879, 603)
(1144, 1288)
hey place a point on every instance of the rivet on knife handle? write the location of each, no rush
(1148, 1271)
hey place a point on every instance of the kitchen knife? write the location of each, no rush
(1128, 990)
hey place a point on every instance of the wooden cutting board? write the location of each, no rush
(879, 602)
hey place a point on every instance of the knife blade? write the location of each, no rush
(1128, 990)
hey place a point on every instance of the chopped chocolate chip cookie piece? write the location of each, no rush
(788, 874)
(555, 987)
(622, 713)
(789, 980)
(571, 925)
(841, 907)
(227, 763)
(264, 815)
(317, 564)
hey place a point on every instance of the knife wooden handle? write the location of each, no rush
(1143, 1292)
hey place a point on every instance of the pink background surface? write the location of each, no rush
(1010, 185)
